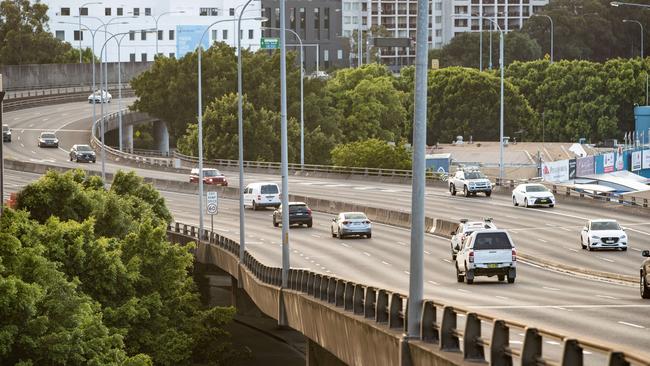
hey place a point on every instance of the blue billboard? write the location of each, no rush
(188, 37)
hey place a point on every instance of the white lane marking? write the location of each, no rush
(345, 245)
(565, 229)
(31, 125)
(551, 288)
(433, 283)
(16, 118)
(585, 306)
(427, 253)
(45, 119)
(542, 240)
(561, 308)
(447, 260)
(22, 145)
(407, 273)
(511, 217)
(33, 152)
(386, 263)
(635, 249)
(632, 325)
(401, 243)
(311, 261)
(315, 236)
(261, 239)
(637, 231)
(365, 188)
(463, 290)
(300, 254)
(502, 297)
(607, 297)
(573, 250)
(18, 138)
(517, 342)
(606, 259)
(388, 190)
(551, 225)
(552, 343)
(367, 254)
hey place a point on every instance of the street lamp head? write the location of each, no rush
(262, 19)
(615, 4)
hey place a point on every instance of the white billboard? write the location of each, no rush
(646, 160)
(555, 171)
(636, 160)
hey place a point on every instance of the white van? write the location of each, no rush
(265, 194)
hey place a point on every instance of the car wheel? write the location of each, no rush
(275, 223)
(452, 189)
(71, 158)
(582, 243)
(369, 235)
(514, 201)
(501, 277)
(511, 279)
(643, 286)
(526, 202)
(624, 249)
(468, 280)
(333, 233)
(459, 276)
(309, 224)
(488, 193)
(254, 206)
(589, 247)
(551, 205)
(465, 191)
(340, 235)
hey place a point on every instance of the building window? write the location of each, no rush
(303, 20)
(132, 57)
(78, 36)
(147, 11)
(160, 35)
(65, 12)
(60, 35)
(232, 12)
(143, 57)
(143, 35)
(136, 12)
(83, 11)
(213, 12)
(326, 19)
(214, 35)
(339, 54)
(107, 11)
(241, 33)
(251, 34)
(438, 6)
(224, 34)
(292, 18)
(317, 22)
(120, 12)
(171, 35)
(277, 18)
(131, 35)
(172, 55)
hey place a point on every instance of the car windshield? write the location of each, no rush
(536, 188)
(492, 241)
(297, 208)
(474, 175)
(211, 173)
(84, 148)
(48, 135)
(269, 189)
(355, 216)
(605, 225)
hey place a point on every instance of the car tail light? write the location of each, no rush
(514, 255)
(346, 222)
(471, 256)
(259, 197)
(309, 211)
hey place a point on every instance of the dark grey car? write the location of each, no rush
(81, 153)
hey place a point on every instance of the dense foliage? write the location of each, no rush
(90, 279)
(372, 153)
(24, 38)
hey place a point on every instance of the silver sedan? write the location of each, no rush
(351, 223)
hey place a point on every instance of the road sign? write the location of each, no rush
(212, 202)
(270, 43)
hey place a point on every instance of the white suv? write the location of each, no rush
(465, 229)
(487, 253)
(470, 182)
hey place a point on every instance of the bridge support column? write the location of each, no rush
(161, 136)
(319, 356)
(127, 138)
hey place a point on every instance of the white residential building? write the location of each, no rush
(180, 24)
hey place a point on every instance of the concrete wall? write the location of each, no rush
(30, 77)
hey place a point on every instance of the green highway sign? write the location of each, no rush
(270, 43)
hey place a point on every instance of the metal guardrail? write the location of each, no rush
(33, 98)
(439, 321)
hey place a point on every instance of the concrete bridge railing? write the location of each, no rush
(364, 325)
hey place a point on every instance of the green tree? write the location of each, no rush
(372, 153)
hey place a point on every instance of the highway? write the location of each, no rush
(590, 308)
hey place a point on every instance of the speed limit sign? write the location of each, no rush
(212, 202)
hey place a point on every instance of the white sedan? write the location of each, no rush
(532, 194)
(603, 234)
(98, 96)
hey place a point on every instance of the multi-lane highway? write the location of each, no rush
(595, 309)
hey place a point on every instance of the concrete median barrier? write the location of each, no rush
(444, 228)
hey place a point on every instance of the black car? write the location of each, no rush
(6, 133)
(644, 281)
(81, 153)
(299, 214)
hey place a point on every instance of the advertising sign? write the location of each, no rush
(619, 159)
(585, 166)
(556, 171)
(188, 37)
(572, 168)
(608, 162)
(636, 160)
(645, 164)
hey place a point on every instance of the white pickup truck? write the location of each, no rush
(487, 253)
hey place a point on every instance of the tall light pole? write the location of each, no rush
(480, 30)
(302, 111)
(240, 139)
(416, 276)
(156, 19)
(81, 7)
(200, 125)
(284, 155)
(551, 20)
(640, 25)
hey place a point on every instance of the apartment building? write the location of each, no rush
(176, 25)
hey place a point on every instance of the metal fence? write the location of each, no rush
(440, 325)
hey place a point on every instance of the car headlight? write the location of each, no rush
(623, 236)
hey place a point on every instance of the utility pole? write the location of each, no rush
(2, 158)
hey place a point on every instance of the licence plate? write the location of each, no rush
(492, 265)
(269, 197)
(543, 201)
(299, 214)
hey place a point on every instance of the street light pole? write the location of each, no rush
(640, 25)
(284, 170)
(551, 20)
(156, 19)
(302, 111)
(80, 34)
